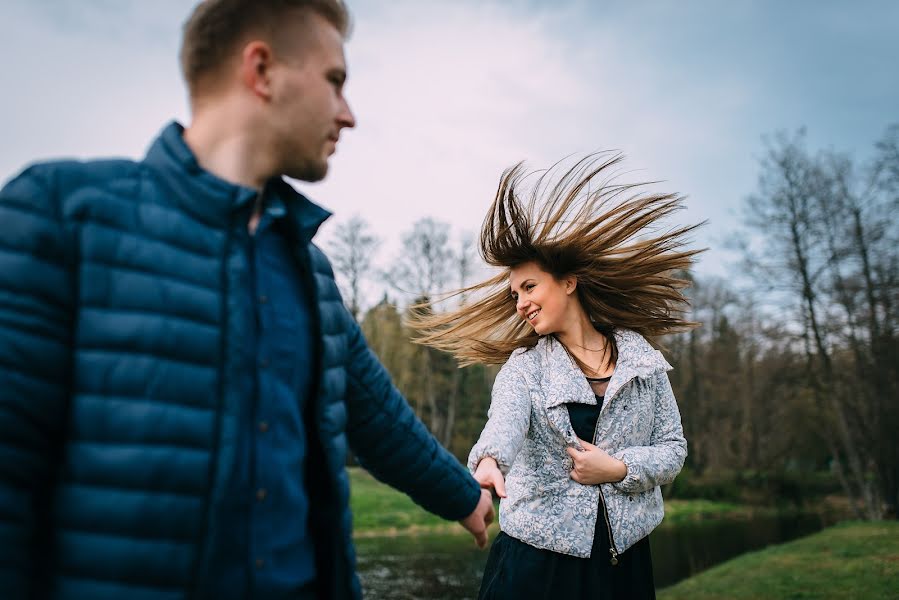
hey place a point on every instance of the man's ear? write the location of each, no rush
(255, 68)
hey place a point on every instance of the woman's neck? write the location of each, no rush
(580, 333)
(590, 347)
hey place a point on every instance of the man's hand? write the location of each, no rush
(480, 518)
(593, 465)
(490, 477)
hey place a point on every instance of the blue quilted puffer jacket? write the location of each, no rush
(118, 406)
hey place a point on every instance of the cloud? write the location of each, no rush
(448, 95)
(446, 99)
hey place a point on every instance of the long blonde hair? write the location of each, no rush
(607, 238)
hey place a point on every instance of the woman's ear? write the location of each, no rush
(570, 284)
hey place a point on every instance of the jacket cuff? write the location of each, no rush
(470, 495)
(479, 454)
(633, 481)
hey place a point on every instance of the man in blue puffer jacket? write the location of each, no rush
(179, 379)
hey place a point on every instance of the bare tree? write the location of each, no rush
(820, 220)
(352, 251)
(423, 267)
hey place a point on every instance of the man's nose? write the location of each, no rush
(345, 117)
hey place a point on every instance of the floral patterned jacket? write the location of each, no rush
(528, 430)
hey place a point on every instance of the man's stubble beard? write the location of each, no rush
(311, 171)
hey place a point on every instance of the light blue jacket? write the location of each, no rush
(528, 430)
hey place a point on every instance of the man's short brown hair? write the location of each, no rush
(217, 26)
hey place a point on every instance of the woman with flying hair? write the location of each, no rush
(583, 427)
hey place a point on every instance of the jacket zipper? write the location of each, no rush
(198, 588)
(613, 550)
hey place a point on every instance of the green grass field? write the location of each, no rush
(850, 560)
(379, 509)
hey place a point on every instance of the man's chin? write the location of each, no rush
(309, 172)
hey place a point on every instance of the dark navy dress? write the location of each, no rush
(517, 571)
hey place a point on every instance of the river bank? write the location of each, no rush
(849, 560)
(403, 551)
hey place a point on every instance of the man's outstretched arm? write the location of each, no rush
(393, 444)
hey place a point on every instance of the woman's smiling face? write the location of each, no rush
(540, 299)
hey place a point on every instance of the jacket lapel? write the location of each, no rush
(562, 382)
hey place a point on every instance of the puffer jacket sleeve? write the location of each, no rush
(508, 420)
(392, 443)
(35, 356)
(661, 461)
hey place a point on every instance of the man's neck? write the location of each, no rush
(227, 150)
(231, 154)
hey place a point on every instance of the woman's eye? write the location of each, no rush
(529, 287)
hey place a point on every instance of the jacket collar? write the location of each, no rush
(212, 199)
(304, 215)
(563, 382)
(636, 358)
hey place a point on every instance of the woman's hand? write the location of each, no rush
(490, 477)
(593, 465)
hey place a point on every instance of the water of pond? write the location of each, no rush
(449, 567)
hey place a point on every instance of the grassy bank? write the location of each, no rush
(380, 510)
(850, 560)
(377, 508)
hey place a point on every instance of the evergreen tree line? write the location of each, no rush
(789, 390)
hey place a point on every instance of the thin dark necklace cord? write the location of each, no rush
(571, 356)
(603, 349)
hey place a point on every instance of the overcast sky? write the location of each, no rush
(448, 93)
